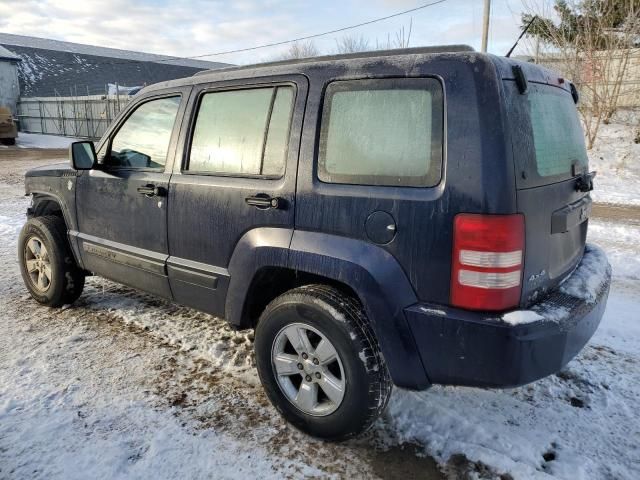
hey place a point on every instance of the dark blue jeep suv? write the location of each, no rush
(409, 217)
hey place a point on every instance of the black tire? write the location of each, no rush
(67, 280)
(9, 141)
(342, 320)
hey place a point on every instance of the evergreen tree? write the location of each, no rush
(576, 19)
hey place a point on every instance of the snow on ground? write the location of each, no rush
(616, 158)
(128, 386)
(37, 140)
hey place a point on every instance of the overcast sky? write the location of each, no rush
(194, 27)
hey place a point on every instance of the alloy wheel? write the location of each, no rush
(38, 264)
(308, 369)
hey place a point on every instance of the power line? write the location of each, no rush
(273, 44)
(308, 37)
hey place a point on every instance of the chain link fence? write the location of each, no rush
(74, 116)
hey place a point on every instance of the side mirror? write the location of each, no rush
(83, 155)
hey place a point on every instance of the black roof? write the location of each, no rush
(401, 61)
(51, 67)
(356, 55)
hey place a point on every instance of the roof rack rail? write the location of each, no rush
(346, 56)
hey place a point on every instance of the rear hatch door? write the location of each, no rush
(550, 161)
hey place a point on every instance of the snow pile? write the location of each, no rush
(619, 239)
(519, 317)
(586, 283)
(588, 279)
(616, 158)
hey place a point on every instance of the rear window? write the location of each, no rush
(382, 132)
(557, 133)
(547, 136)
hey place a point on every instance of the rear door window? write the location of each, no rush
(382, 132)
(548, 140)
(242, 132)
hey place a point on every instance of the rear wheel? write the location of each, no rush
(319, 362)
(48, 268)
(8, 141)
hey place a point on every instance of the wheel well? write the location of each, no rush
(271, 282)
(46, 206)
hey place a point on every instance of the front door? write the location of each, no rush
(122, 204)
(237, 176)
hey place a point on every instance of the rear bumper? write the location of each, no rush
(460, 347)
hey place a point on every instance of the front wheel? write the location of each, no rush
(319, 362)
(47, 265)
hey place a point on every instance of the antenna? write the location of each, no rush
(524, 31)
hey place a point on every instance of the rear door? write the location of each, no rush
(550, 157)
(238, 173)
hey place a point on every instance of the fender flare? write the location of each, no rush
(256, 249)
(372, 272)
(40, 191)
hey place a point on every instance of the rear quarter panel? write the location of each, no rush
(477, 172)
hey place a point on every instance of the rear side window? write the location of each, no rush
(382, 132)
(557, 133)
(242, 132)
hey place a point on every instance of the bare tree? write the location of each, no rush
(300, 50)
(591, 42)
(401, 39)
(351, 44)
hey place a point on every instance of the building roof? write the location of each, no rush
(8, 55)
(8, 39)
(50, 68)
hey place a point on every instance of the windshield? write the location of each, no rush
(547, 135)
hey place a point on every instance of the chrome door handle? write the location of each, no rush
(151, 190)
(264, 202)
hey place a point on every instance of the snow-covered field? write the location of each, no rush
(616, 158)
(37, 140)
(123, 385)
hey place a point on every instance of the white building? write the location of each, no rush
(9, 86)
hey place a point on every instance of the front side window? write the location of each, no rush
(143, 140)
(242, 132)
(382, 132)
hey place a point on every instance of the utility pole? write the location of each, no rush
(485, 25)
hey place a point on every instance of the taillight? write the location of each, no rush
(488, 252)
